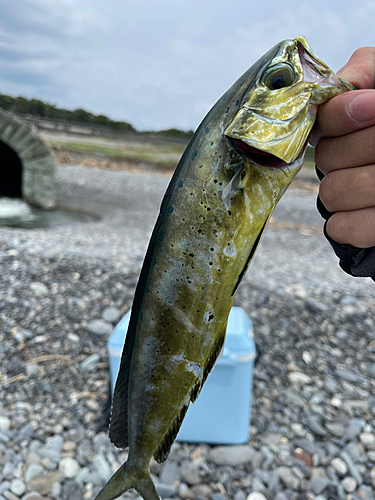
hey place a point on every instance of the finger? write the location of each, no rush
(345, 113)
(360, 69)
(333, 118)
(352, 150)
(356, 228)
(351, 189)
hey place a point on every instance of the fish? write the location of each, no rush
(235, 169)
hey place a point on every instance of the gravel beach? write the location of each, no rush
(312, 433)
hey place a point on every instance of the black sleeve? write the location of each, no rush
(354, 261)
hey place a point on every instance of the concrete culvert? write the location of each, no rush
(27, 166)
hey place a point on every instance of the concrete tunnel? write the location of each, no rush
(27, 166)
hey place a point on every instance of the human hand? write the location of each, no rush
(344, 135)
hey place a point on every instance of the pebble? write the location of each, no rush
(33, 470)
(299, 378)
(39, 288)
(4, 423)
(102, 467)
(69, 467)
(367, 438)
(255, 495)
(319, 484)
(100, 327)
(340, 466)
(18, 487)
(232, 455)
(111, 314)
(90, 363)
(349, 484)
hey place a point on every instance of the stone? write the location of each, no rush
(365, 493)
(69, 467)
(351, 467)
(99, 327)
(8, 470)
(39, 288)
(288, 478)
(170, 473)
(313, 423)
(43, 483)
(331, 385)
(319, 484)
(255, 495)
(33, 470)
(102, 467)
(9, 495)
(299, 378)
(340, 466)
(111, 314)
(4, 423)
(232, 455)
(18, 487)
(298, 429)
(367, 438)
(258, 484)
(305, 457)
(349, 484)
(72, 491)
(90, 363)
(346, 375)
(335, 429)
(201, 490)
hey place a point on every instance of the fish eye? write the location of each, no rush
(279, 76)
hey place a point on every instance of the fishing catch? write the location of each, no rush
(234, 171)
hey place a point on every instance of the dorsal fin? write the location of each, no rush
(162, 451)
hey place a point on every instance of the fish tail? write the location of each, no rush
(122, 481)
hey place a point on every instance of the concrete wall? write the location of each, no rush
(38, 165)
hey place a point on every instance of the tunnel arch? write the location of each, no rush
(27, 165)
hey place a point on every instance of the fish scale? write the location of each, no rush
(235, 169)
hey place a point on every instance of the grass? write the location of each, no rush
(162, 153)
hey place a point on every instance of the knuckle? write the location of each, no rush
(324, 155)
(328, 191)
(338, 227)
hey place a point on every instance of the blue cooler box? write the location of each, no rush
(221, 414)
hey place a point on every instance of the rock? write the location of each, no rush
(111, 314)
(4, 423)
(288, 477)
(281, 496)
(367, 438)
(99, 327)
(18, 487)
(33, 470)
(43, 483)
(75, 435)
(90, 363)
(351, 467)
(8, 470)
(258, 484)
(72, 491)
(69, 467)
(170, 473)
(102, 467)
(8, 495)
(299, 378)
(39, 288)
(335, 429)
(305, 457)
(255, 495)
(346, 375)
(364, 493)
(319, 484)
(349, 484)
(232, 455)
(339, 466)
(313, 423)
(15, 366)
(202, 490)
(298, 429)
(331, 385)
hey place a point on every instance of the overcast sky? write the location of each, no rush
(160, 63)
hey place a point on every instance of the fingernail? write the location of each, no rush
(362, 107)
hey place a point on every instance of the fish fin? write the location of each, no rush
(250, 257)
(162, 451)
(118, 429)
(122, 481)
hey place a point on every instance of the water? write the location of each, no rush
(16, 213)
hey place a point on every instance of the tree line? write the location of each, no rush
(35, 107)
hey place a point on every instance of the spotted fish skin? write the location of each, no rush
(210, 223)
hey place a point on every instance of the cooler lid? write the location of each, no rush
(239, 336)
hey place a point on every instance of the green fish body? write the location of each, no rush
(235, 169)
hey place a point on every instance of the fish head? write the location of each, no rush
(278, 110)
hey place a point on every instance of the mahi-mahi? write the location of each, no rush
(235, 169)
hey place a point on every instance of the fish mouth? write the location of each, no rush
(262, 158)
